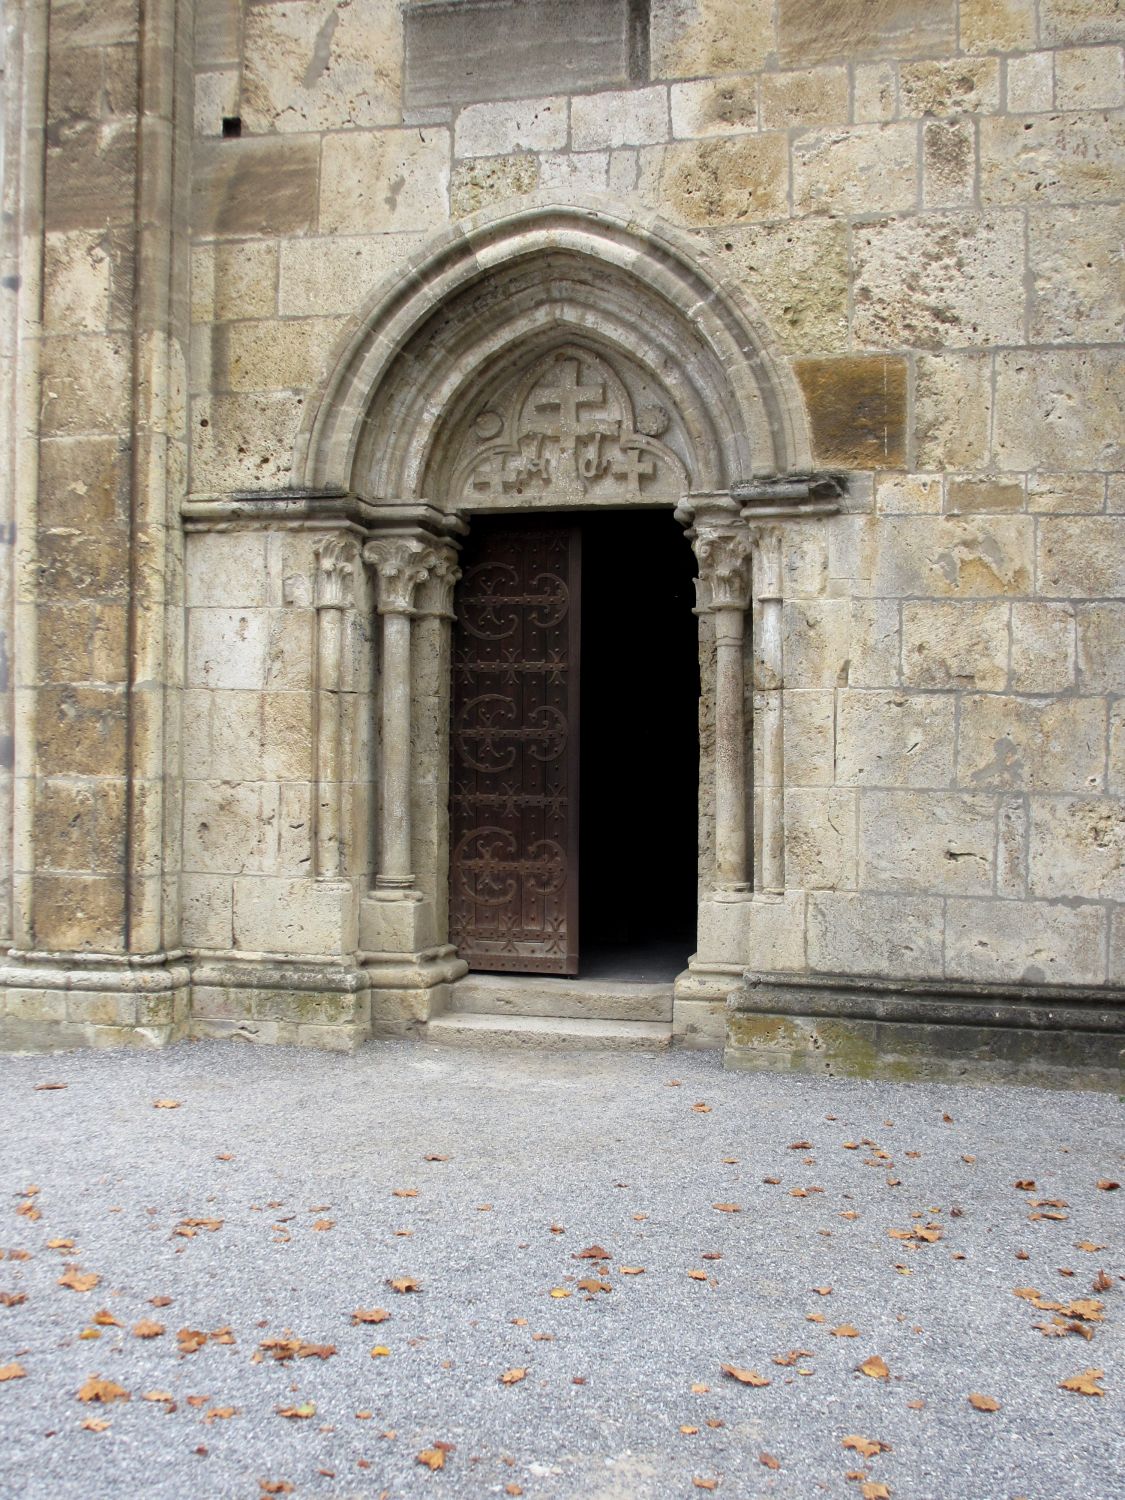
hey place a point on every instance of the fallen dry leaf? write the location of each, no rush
(704, 1484)
(701, 1108)
(728, 1208)
(147, 1329)
(404, 1284)
(698, 1275)
(559, 1291)
(1084, 1384)
(284, 1349)
(513, 1377)
(12, 1371)
(12, 1299)
(822, 1291)
(1102, 1282)
(325, 1224)
(432, 1458)
(875, 1366)
(845, 1331)
(78, 1280)
(594, 1284)
(404, 1193)
(744, 1377)
(1107, 1185)
(275, 1486)
(219, 1414)
(1088, 1245)
(190, 1340)
(688, 1430)
(768, 1461)
(105, 1319)
(592, 1252)
(105, 1391)
(631, 1270)
(434, 1156)
(871, 1489)
(370, 1315)
(801, 1146)
(983, 1403)
(305, 1410)
(865, 1447)
(165, 1104)
(224, 1156)
(95, 1424)
(43, 1088)
(60, 1244)
(158, 1396)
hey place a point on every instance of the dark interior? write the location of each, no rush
(640, 747)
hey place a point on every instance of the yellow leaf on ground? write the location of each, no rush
(1085, 1384)
(404, 1284)
(513, 1377)
(845, 1331)
(705, 1484)
(105, 1319)
(12, 1371)
(631, 1270)
(744, 1377)
(78, 1280)
(325, 1224)
(165, 1104)
(370, 1315)
(560, 1291)
(871, 1489)
(728, 1208)
(865, 1447)
(95, 1424)
(698, 1275)
(380, 1351)
(147, 1329)
(874, 1366)
(432, 1458)
(983, 1403)
(305, 1410)
(105, 1391)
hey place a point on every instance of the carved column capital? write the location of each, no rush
(724, 567)
(767, 564)
(400, 564)
(436, 601)
(336, 559)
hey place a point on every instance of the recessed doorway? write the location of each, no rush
(574, 746)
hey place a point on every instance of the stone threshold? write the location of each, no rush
(554, 1033)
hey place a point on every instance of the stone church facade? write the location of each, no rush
(330, 328)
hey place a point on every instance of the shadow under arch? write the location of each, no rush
(504, 286)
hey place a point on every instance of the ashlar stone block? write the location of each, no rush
(230, 828)
(942, 842)
(996, 25)
(633, 117)
(1081, 557)
(953, 557)
(811, 96)
(284, 354)
(714, 106)
(726, 181)
(874, 93)
(797, 273)
(694, 38)
(960, 645)
(255, 186)
(950, 86)
(820, 838)
(870, 933)
(1101, 647)
(856, 169)
(857, 409)
(1089, 78)
(894, 739)
(949, 163)
(244, 441)
(1033, 942)
(1077, 848)
(476, 184)
(1032, 744)
(809, 30)
(1031, 83)
(1043, 648)
(1066, 21)
(1056, 158)
(1077, 280)
(952, 410)
(234, 280)
(523, 125)
(393, 179)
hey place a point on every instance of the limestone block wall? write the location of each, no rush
(924, 201)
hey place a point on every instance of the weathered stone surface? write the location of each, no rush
(527, 125)
(243, 442)
(812, 30)
(207, 911)
(1089, 78)
(216, 100)
(858, 169)
(955, 645)
(320, 66)
(80, 731)
(1031, 83)
(453, 55)
(1077, 848)
(857, 410)
(943, 842)
(280, 355)
(894, 739)
(1059, 410)
(938, 281)
(1083, 557)
(1032, 744)
(714, 106)
(398, 179)
(950, 86)
(809, 729)
(814, 96)
(694, 37)
(1065, 494)
(820, 838)
(334, 274)
(255, 186)
(82, 643)
(231, 827)
(908, 494)
(1043, 648)
(491, 179)
(580, 172)
(861, 933)
(725, 181)
(982, 495)
(996, 25)
(218, 26)
(634, 117)
(1077, 284)
(80, 825)
(874, 93)
(78, 913)
(817, 642)
(85, 384)
(1037, 942)
(949, 163)
(952, 410)
(293, 916)
(76, 275)
(1050, 158)
(90, 182)
(1063, 21)
(230, 281)
(875, 644)
(798, 274)
(1101, 647)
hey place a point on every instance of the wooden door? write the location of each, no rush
(513, 901)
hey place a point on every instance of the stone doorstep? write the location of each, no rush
(554, 1033)
(552, 997)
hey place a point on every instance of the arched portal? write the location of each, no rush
(558, 359)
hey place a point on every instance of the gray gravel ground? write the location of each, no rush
(569, 1150)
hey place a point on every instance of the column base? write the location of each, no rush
(275, 1002)
(49, 1002)
(699, 1003)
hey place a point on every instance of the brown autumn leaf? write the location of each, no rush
(773, 1181)
(105, 1319)
(1085, 1383)
(160, 1301)
(147, 1328)
(728, 1208)
(219, 1414)
(865, 1447)
(845, 1331)
(559, 1291)
(513, 1377)
(631, 1270)
(1024, 1184)
(43, 1088)
(324, 1224)
(711, 1255)
(983, 1403)
(78, 1280)
(404, 1193)
(592, 1252)
(513, 1488)
(698, 1275)
(404, 1284)
(370, 1315)
(791, 1356)
(744, 1377)
(768, 1461)
(815, 1318)
(105, 1391)
(12, 1299)
(875, 1366)
(701, 1108)
(801, 1146)
(704, 1484)
(298, 1413)
(224, 1156)
(12, 1371)
(275, 1486)
(594, 1284)
(823, 1291)
(687, 1429)
(1102, 1282)
(1107, 1185)
(165, 1104)
(190, 1339)
(431, 1458)
(872, 1489)
(1088, 1245)
(95, 1424)
(58, 1244)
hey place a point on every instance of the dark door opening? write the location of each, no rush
(638, 828)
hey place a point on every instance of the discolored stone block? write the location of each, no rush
(996, 25)
(797, 273)
(244, 441)
(91, 180)
(77, 913)
(80, 825)
(80, 731)
(288, 354)
(85, 384)
(691, 38)
(725, 181)
(1089, 78)
(234, 281)
(714, 106)
(957, 645)
(255, 186)
(814, 96)
(1050, 158)
(492, 179)
(1036, 942)
(982, 494)
(856, 169)
(634, 117)
(527, 125)
(398, 179)
(869, 933)
(814, 30)
(857, 410)
(1077, 287)
(1031, 744)
(952, 410)
(81, 566)
(1067, 21)
(820, 848)
(83, 482)
(949, 163)
(1031, 83)
(950, 86)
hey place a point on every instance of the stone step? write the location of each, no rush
(556, 1033)
(581, 999)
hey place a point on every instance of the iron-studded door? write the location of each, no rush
(513, 901)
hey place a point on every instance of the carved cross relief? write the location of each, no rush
(567, 430)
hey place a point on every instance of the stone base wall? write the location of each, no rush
(48, 1006)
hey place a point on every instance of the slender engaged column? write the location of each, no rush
(724, 570)
(770, 683)
(335, 569)
(400, 565)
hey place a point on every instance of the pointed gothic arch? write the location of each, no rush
(489, 298)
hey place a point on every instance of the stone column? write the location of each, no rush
(336, 558)
(723, 551)
(769, 684)
(400, 564)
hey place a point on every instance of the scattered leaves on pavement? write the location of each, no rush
(1085, 1383)
(875, 1366)
(983, 1403)
(744, 1377)
(105, 1391)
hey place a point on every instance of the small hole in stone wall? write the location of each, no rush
(232, 127)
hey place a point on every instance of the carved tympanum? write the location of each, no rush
(565, 431)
